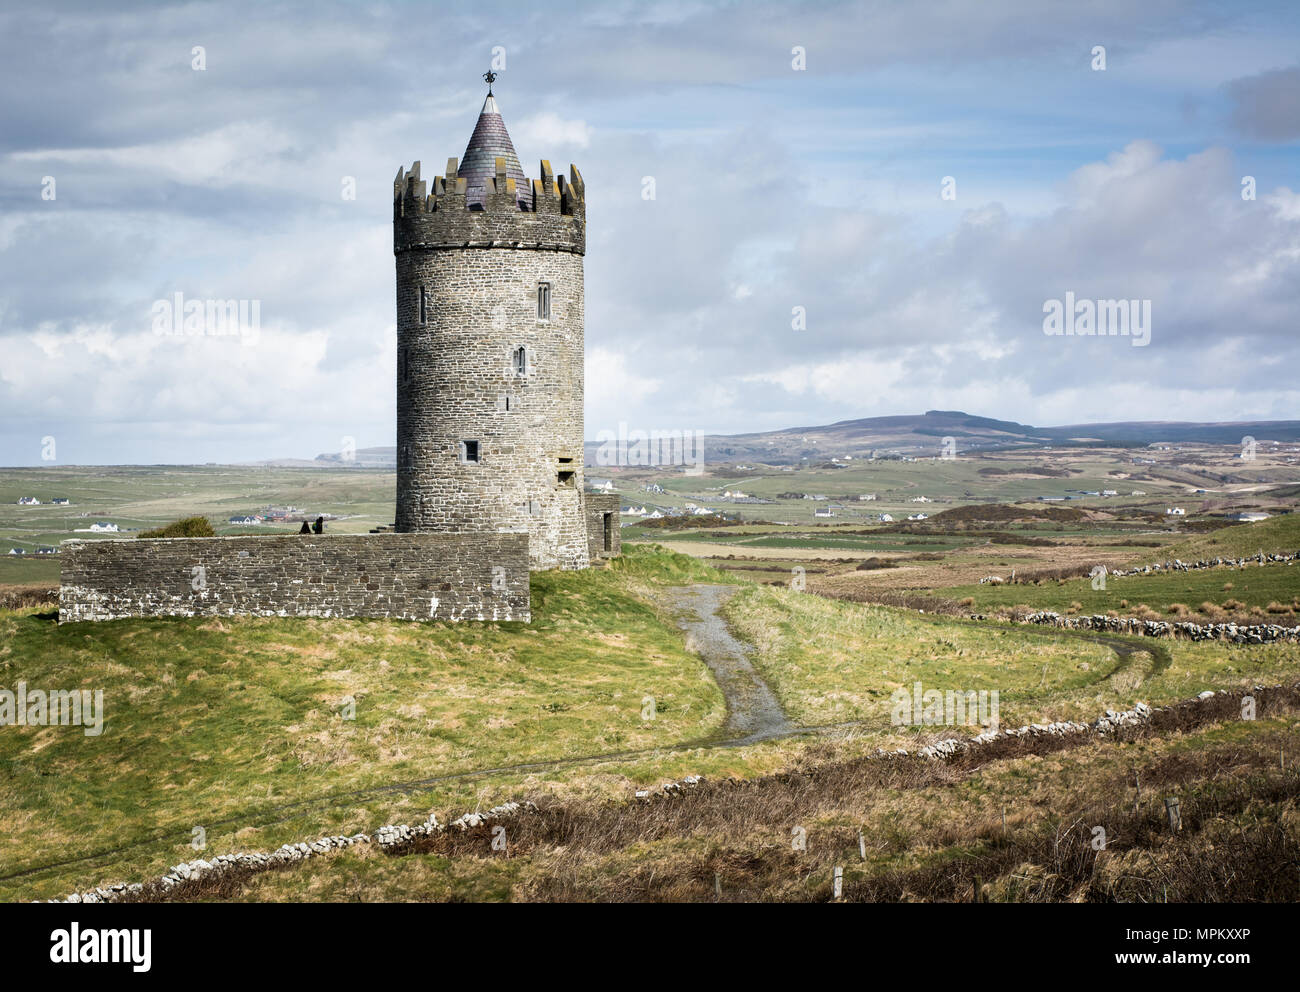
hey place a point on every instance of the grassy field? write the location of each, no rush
(1266, 593)
(139, 497)
(1277, 534)
(831, 661)
(1008, 830)
(238, 726)
(226, 721)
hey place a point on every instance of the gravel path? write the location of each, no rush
(753, 712)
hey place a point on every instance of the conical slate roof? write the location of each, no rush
(489, 142)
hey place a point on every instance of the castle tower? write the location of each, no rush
(490, 348)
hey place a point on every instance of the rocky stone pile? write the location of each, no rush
(670, 788)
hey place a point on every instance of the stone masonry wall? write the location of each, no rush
(597, 506)
(477, 576)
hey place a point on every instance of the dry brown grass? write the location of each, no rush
(931, 829)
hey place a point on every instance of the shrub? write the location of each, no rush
(873, 563)
(18, 597)
(186, 527)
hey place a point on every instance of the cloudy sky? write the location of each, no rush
(127, 176)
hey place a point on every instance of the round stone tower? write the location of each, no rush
(490, 348)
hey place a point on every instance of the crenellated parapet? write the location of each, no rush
(549, 216)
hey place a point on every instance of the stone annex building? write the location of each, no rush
(489, 428)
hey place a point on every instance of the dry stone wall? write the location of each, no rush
(476, 576)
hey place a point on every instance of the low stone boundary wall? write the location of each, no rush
(387, 838)
(1260, 633)
(1177, 565)
(471, 576)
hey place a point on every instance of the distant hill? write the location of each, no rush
(378, 457)
(916, 435)
(381, 457)
(923, 434)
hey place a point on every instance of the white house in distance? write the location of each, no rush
(246, 521)
(1175, 511)
(886, 518)
(28, 501)
(102, 527)
(920, 499)
(823, 511)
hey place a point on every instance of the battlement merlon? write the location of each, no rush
(552, 215)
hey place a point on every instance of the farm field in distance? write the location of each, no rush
(141, 497)
(999, 514)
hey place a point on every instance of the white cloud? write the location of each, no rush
(548, 130)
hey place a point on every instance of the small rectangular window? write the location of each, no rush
(469, 452)
(519, 358)
(404, 366)
(565, 478)
(543, 301)
(424, 306)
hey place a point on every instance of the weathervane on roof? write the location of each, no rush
(491, 78)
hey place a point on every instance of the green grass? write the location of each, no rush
(830, 661)
(211, 721)
(29, 569)
(139, 497)
(827, 540)
(1252, 585)
(235, 724)
(1277, 534)
(1001, 824)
